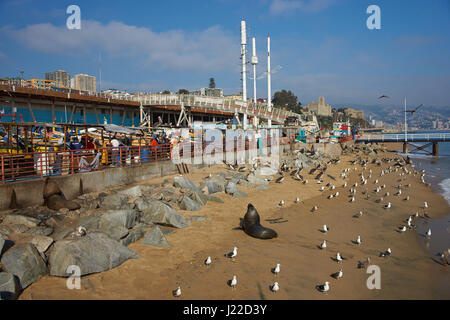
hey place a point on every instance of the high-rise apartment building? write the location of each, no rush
(84, 82)
(59, 75)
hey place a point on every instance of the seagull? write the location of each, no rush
(281, 203)
(233, 254)
(322, 188)
(359, 214)
(387, 194)
(280, 179)
(333, 187)
(276, 270)
(407, 198)
(425, 204)
(402, 229)
(358, 240)
(233, 282)
(297, 200)
(323, 288)
(336, 194)
(399, 192)
(338, 257)
(388, 206)
(81, 231)
(325, 228)
(356, 184)
(429, 233)
(386, 253)
(330, 196)
(323, 245)
(383, 96)
(345, 184)
(275, 287)
(363, 264)
(338, 274)
(352, 199)
(208, 261)
(314, 208)
(177, 293)
(305, 182)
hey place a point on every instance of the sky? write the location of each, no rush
(318, 47)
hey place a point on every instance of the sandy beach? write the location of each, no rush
(409, 273)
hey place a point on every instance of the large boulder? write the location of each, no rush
(198, 196)
(116, 201)
(257, 179)
(125, 218)
(42, 243)
(95, 252)
(231, 188)
(187, 203)
(216, 184)
(184, 183)
(19, 219)
(109, 227)
(160, 213)
(41, 231)
(8, 286)
(156, 238)
(133, 236)
(132, 192)
(25, 263)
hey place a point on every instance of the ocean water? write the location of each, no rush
(437, 173)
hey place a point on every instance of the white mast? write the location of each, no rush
(244, 70)
(269, 90)
(254, 62)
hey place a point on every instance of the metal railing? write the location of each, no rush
(32, 165)
(418, 137)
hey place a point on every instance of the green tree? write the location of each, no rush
(286, 100)
(166, 92)
(183, 91)
(212, 83)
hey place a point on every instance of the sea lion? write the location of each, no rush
(54, 198)
(253, 228)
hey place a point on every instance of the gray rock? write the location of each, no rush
(95, 252)
(125, 218)
(5, 230)
(41, 231)
(214, 198)
(19, 219)
(156, 238)
(115, 201)
(42, 243)
(239, 194)
(185, 183)
(132, 192)
(166, 230)
(262, 187)
(231, 188)
(8, 286)
(244, 183)
(199, 218)
(133, 236)
(160, 213)
(199, 197)
(187, 203)
(19, 228)
(257, 179)
(25, 263)
(2, 243)
(108, 227)
(213, 186)
(266, 171)
(61, 232)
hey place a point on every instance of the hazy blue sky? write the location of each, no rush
(320, 47)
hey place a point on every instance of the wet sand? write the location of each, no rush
(410, 273)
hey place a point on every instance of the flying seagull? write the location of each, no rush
(412, 111)
(383, 96)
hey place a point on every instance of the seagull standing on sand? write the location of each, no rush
(323, 288)
(364, 264)
(425, 205)
(352, 199)
(336, 194)
(233, 254)
(323, 245)
(281, 203)
(402, 229)
(177, 293)
(314, 208)
(330, 196)
(429, 233)
(358, 240)
(338, 257)
(338, 274)
(276, 270)
(388, 206)
(387, 253)
(275, 287)
(325, 228)
(208, 261)
(297, 200)
(233, 283)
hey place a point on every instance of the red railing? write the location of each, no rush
(22, 166)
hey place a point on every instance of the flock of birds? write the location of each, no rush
(396, 166)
